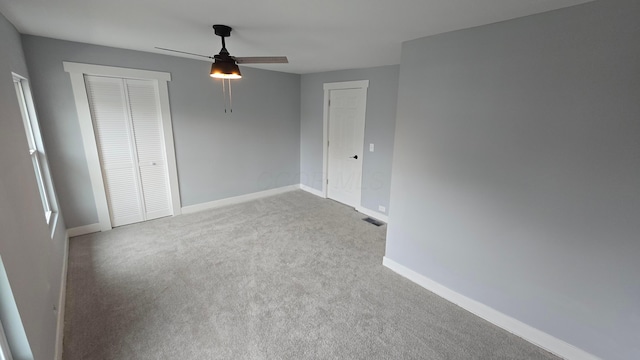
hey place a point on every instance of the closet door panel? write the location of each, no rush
(147, 125)
(147, 129)
(107, 102)
(124, 198)
(155, 188)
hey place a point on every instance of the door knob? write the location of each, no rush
(354, 157)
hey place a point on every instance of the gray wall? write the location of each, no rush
(32, 259)
(516, 170)
(218, 155)
(382, 95)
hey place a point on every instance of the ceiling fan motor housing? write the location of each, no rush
(222, 30)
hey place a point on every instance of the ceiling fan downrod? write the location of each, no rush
(223, 31)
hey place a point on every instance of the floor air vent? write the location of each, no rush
(373, 221)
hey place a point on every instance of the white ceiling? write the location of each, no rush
(316, 35)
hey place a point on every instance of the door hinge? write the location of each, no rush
(329, 102)
(327, 181)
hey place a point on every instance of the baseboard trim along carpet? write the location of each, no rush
(62, 300)
(373, 214)
(83, 230)
(516, 327)
(311, 190)
(238, 199)
(360, 209)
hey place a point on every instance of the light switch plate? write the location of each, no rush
(370, 147)
(382, 208)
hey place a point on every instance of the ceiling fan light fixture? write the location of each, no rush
(225, 70)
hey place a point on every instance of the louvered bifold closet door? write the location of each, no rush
(114, 138)
(147, 129)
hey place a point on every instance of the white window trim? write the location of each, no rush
(360, 84)
(37, 152)
(5, 353)
(77, 72)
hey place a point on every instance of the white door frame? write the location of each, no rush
(77, 71)
(360, 84)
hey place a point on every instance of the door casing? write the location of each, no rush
(360, 84)
(77, 71)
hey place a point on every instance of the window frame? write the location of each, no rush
(36, 150)
(5, 352)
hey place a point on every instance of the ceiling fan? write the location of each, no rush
(225, 65)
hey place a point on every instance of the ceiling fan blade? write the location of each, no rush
(262, 60)
(184, 52)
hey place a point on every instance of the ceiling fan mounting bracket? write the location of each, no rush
(222, 30)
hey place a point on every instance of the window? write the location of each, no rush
(5, 354)
(36, 148)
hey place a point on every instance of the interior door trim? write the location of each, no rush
(359, 84)
(77, 71)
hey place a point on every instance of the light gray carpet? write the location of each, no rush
(287, 277)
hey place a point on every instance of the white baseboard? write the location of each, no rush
(311, 190)
(516, 327)
(373, 214)
(82, 230)
(237, 199)
(62, 301)
(360, 209)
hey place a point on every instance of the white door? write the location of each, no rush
(148, 136)
(346, 141)
(128, 129)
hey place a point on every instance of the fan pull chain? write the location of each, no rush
(230, 97)
(224, 96)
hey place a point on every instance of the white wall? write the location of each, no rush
(31, 258)
(517, 170)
